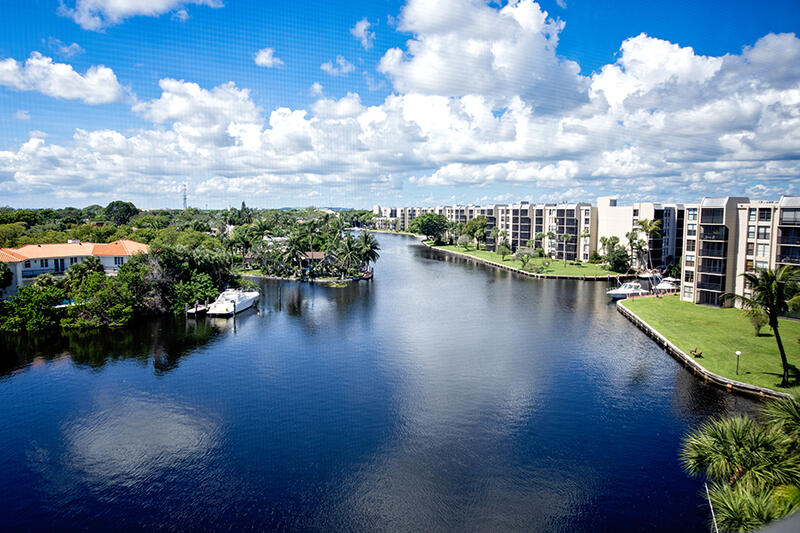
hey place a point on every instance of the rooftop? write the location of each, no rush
(122, 247)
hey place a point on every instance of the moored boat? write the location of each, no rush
(630, 288)
(232, 301)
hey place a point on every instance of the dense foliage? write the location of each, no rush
(753, 465)
(194, 254)
(431, 225)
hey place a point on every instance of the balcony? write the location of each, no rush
(713, 252)
(33, 272)
(789, 239)
(709, 286)
(789, 259)
(707, 269)
(713, 236)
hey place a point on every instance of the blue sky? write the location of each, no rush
(429, 103)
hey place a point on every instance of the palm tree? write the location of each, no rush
(494, 234)
(754, 468)
(565, 238)
(349, 255)
(633, 238)
(262, 228)
(550, 237)
(769, 294)
(368, 248)
(651, 228)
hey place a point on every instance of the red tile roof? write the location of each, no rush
(122, 247)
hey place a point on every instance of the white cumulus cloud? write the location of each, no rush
(266, 58)
(361, 32)
(98, 85)
(341, 67)
(99, 14)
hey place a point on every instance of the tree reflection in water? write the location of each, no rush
(165, 341)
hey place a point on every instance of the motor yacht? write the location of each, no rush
(232, 301)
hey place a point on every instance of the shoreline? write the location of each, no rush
(730, 385)
(300, 280)
(608, 277)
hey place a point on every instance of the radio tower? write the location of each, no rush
(184, 187)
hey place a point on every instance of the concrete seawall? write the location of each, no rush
(696, 368)
(610, 277)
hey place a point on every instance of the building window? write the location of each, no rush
(688, 277)
(762, 250)
(765, 214)
(691, 214)
(27, 264)
(748, 265)
(762, 265)
(636, 212)
(763, 232)
(751, 215)
(689, 260)
(691, 245)
(73, 260)
(688, 291)
(691, 230)
(751, 232)
(45, 263)
(119, 261)
(750, 248)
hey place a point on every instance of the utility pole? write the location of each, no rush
(185, 190)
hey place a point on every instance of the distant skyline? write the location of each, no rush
(398, 103)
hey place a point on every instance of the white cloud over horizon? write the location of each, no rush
(507, 111)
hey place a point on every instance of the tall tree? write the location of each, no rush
(368, 248)
(120, 212)
(652, 229)
(775, 293)
(564, 238)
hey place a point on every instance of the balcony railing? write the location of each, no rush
(711, 252)
(705, 269)
(713, 236)
(709, 286)
(789, 239)
(33, 272)
(789, 259)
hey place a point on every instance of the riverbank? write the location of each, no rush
(556, 269)
(389, 231)
(257, 275)
(680, 327)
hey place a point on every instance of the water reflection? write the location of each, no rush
(445, 395)
(164, 341)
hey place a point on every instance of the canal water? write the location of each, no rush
(442, 396)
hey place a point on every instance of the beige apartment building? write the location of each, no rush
(726, 237)
(618, 221)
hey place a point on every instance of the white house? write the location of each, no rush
(31, 260)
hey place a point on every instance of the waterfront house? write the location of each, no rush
(31, 260)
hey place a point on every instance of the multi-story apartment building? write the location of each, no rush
(788, 241)
(710, 250)
(575, 220)
(618, 221)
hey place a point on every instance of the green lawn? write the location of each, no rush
(556, 267)
(718, 333)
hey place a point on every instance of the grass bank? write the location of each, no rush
(719, 333)
(556, 267)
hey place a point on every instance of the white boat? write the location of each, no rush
(669, 284)
(630, 288)
(232, 301)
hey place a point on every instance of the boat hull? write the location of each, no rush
(227, 308)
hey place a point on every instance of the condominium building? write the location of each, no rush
(711, 250)
(31, 260)
(618, 221)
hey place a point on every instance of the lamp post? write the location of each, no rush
(738, 353)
